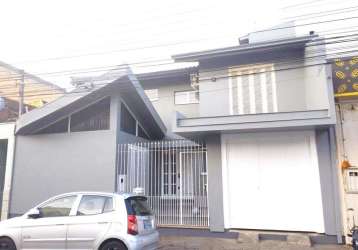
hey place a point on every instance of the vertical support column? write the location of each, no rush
(215, 185)
(329, 186)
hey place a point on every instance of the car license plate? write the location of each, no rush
(147, 224)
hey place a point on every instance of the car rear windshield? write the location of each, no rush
(137, 205)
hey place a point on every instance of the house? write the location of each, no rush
(267, 117)
(36, 93)
(245, 140)
(345, 80)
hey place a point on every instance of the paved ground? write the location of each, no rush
(200, 243)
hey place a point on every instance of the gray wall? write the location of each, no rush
(297, 85)
(166, 107)
(215, 184)
(51, 164)
(47, 165)
(214, 95)
(329, 189)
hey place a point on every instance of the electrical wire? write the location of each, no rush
(182, 42)
(200, 80)
(169, 61)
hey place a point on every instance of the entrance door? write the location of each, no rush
(272, 182)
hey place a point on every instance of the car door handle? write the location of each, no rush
(59, 224)
(103, 222)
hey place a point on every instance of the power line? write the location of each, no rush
(331, 14)
(320, 12)
(184, 41)
(206, 79)
(169, 61)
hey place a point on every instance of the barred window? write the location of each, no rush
(94, 117)
(128, 123)
(57, 127)
(152, 94)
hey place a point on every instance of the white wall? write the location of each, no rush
(347, 144)
(7, 132)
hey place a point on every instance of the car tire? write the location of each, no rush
(113, 245)
(7, 244)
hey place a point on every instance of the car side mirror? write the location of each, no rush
(34, 213)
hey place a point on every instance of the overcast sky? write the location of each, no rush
(46, 36)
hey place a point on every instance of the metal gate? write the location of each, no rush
(172, 174)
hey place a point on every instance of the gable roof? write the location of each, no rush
(123, 81)
(244, 49)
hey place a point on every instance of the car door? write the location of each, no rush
(48, 231)
(92, 221)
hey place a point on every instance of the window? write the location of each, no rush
(169, 173)
(94, 117)
(59, 207)
(58, 127)
(92, 204)
(252, 90)
(142, 133)
(128, 122)
(130, 125)
(152, 94)
(352, 180)
(186, 97)
(137, 205)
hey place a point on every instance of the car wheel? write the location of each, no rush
(7, 244)
(112, 245)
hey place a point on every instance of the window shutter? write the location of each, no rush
(253, 90)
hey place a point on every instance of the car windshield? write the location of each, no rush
(137, 205)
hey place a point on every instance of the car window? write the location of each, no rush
(93, 204)
(137, 205)
(58, 207)
(108, 205)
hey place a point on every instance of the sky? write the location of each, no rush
(58, 39)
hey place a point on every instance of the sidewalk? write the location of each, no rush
(201, 243)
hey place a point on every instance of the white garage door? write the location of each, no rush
(271, 181)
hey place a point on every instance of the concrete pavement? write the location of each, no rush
(210, 243)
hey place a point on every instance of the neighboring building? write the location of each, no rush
(259, 152)
(37, 92)
(345, 79)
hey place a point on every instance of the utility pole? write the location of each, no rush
(21, 93)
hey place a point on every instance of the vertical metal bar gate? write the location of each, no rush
(172, 174)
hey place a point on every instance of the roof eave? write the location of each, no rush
(243, 49)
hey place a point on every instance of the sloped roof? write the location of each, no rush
(244, 49)
(123, 81)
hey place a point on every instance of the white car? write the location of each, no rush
(83, 220)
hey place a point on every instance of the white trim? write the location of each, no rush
(263, 83)
(274, 90)
(252, 92)
(231, 107)
(7, 132)
(240, 96)
(186, 93)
